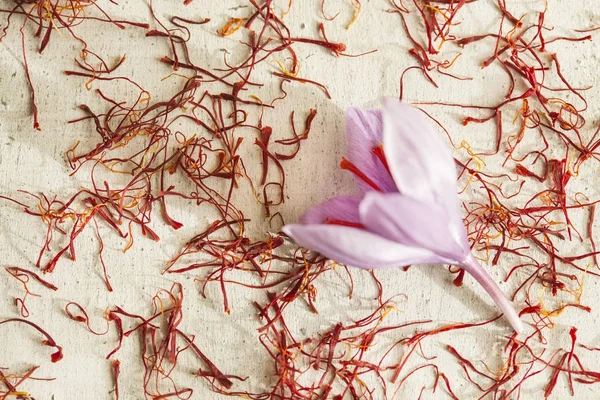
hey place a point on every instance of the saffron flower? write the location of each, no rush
(409, 211)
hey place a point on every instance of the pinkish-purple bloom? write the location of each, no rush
(409, 213)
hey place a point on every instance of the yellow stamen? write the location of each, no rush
(437, 10)
(130, 240)
(357, 6)
(285, 71)
(288, 10)
(173, 74)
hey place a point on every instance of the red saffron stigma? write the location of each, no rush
(348, 166)
(331, 221)
(378, 151)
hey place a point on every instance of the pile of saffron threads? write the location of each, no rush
(517, 204)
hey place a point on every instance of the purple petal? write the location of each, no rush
(411, 222)
(456, 226)
(357, 247)
(364, 132)
(421, 163)
(342, 208)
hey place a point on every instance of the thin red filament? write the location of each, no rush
(331, 221)
(378, 151)
(348, 166)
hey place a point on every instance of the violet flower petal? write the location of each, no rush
(364, 132)
(411, 222)
(420, 162)
(342, 208)
(456, 227)
(357, 247)
(423, 169)
(419, 225)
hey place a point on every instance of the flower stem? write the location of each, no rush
(472, 266)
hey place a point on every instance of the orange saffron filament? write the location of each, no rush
(348, 166)
(231, 27)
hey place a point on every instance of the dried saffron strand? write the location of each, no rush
(438, 375)
(301, 80)
(59, 16)
(340, 354)
(496, 213)
(434, 31)
(159, 345)
(74, 234)
(356, 4)
(214, 372)
(496, 224)
(10, 387)
(34, 109)
(524, 171)
(297, 139)
(24, 276)
(104, 270)
(114, 206)
(325, 16)
(116, 371)
(48, 341)
(416, 339)
(19, 379)
(231, 27)
(467, 363)
(590, 232)
(55, 217)
(83, 318)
